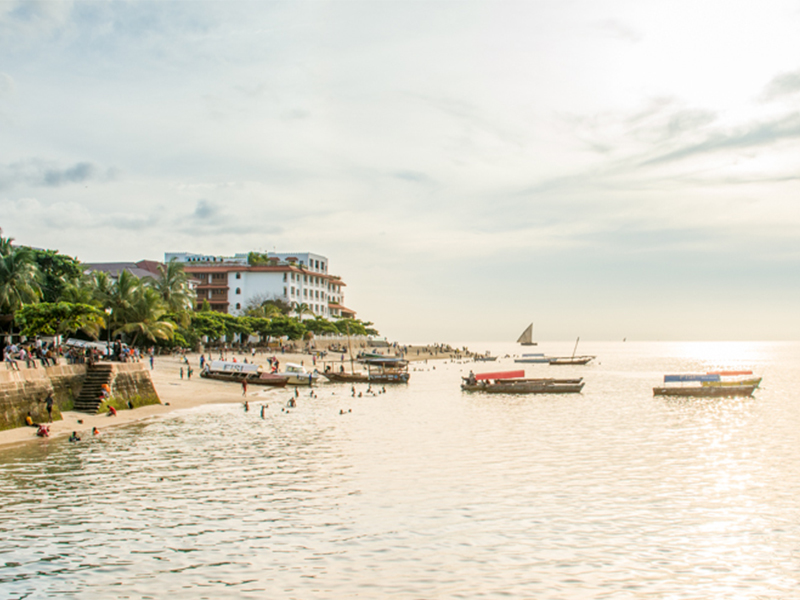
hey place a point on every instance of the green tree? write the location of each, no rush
(142, 316)
(286, 326)
(57, 271)
(208, 324)
(350, 327)
(300, 309)
(59, 318)
(320, 326)
(173, 285)
(19, 278)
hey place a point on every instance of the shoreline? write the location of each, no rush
(178, 393)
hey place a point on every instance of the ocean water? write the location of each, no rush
(428, 492)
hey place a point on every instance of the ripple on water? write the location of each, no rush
(425, 492)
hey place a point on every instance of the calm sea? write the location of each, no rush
(428, 492)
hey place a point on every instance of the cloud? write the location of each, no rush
(205, 210)
(41, 173)
(619, 30)
(759, 134)
(413, 176)
(782, 85)
(6, 84)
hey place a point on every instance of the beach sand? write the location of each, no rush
(178, 394)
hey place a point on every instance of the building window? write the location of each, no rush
(284, 278)
(305, 293)
(238, 290)
(238, 306)
(238, 276)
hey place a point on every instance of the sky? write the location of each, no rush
(606, 169)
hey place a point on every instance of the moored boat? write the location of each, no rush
(241, 372)
(532, 358)
(297, 375)
(571, 360)
(379, 370)
(515, 382)
(708, 385)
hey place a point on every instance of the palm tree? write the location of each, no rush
(173, 286)
(301, 308)
(101, 288)
(141, 317)
(122, 294)
(19, 278)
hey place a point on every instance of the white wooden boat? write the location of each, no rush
(297, 375)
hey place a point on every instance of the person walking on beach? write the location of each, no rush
(48, 403)
(189, 372)
(181, 372)
(151, 362)
(244, 388)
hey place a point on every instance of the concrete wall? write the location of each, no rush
(24, 390)
(132, 383)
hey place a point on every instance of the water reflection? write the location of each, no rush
(424, 492)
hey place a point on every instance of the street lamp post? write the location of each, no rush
(108, 312)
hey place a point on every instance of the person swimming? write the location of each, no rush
(74, 437)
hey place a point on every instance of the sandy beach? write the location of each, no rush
(178, 393)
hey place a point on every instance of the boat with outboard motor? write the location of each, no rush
(515, 382)
(297, 375)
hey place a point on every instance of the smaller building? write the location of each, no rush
(143, 268)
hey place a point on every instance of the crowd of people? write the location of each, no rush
(34, 353)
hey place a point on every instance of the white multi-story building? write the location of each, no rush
(228, 283)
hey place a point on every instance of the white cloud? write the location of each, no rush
(520, 138)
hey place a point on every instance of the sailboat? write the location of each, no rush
(572, 360)
(526, 339)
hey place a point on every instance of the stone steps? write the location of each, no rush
(90, 397)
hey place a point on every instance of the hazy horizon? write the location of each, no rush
(605, 169)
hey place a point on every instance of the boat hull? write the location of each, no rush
(705, 391)
(574, 360)
(530, 387)
(272, 381)
(532, 360)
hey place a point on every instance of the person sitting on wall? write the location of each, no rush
(29, 420)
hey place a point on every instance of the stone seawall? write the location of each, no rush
(131, 383)
(24, 390)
